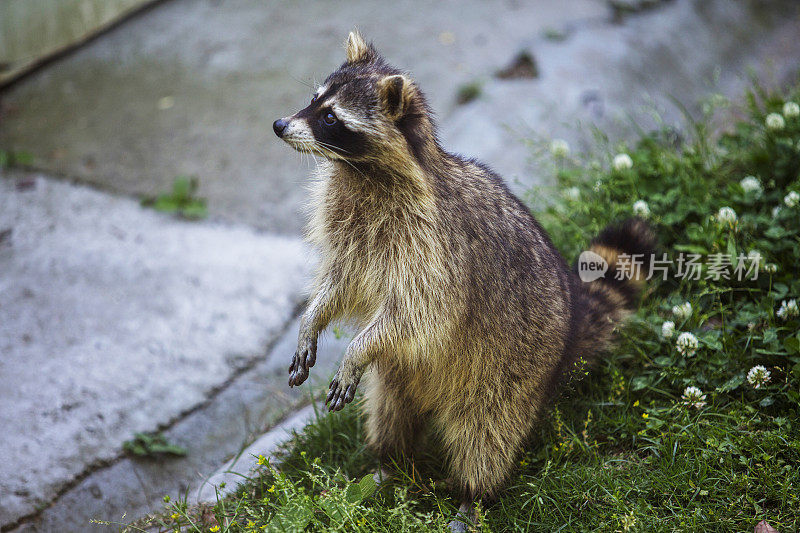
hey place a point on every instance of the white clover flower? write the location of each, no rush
(668, 329)
(726, 216)
(787, 310)
(694, 397)
(775, 122)
(628, 521)
(770, 268)
(791, 199)
(682, 311)
(757, 376)
(572, 193)
(791, 110)
(598, 185)
(559, 148)
(687, 344)
(622, 162)
(640, 208)
(776, 211)
(751, 184)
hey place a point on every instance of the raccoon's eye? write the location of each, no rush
(329, 119)
(313, 98)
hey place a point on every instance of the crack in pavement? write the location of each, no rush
(213, 393)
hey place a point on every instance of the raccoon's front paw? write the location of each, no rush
(304, 358)
(343, 388)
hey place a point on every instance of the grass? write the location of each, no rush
(15, 159)
(182, 200)
(151, 445)
(554, 34)
(468, 92)
(629, 447)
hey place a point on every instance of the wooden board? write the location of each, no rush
(33, 30)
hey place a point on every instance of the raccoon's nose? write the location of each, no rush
(279, 125)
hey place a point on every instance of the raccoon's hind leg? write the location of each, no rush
(464, 516)
(394, 425)
(482, 442)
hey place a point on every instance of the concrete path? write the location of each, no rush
(215, 434)
(116, 319)
(624, 79)
(193, 86)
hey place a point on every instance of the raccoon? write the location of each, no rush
(468, 317)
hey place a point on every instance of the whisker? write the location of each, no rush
(353, 167)
(307, 84)
(313, 155)
(332, 147)
(314, 147)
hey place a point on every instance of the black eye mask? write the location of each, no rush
(337, 137)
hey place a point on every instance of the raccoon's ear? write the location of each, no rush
(358, 49)
(395, 93)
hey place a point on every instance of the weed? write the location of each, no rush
(468, 92)
(15, 159)
(146, 445)
(554, 34)
(182, 200)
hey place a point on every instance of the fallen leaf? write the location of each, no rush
(764, 527)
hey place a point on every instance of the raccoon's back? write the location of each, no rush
(516, 286)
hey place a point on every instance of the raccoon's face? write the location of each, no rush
(356, 114)
(335, 124)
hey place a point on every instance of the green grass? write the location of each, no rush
(15, 159)
(622, 450)
(182, 200)
(468, 92)
(151, 445)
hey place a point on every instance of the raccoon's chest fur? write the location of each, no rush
(384, 250)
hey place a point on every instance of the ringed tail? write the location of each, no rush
(608, 300)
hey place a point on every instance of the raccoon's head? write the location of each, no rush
(365, 111)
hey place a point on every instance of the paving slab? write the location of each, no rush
(116, 319)
(249, 415)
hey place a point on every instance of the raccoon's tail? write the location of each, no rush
(609, 299)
